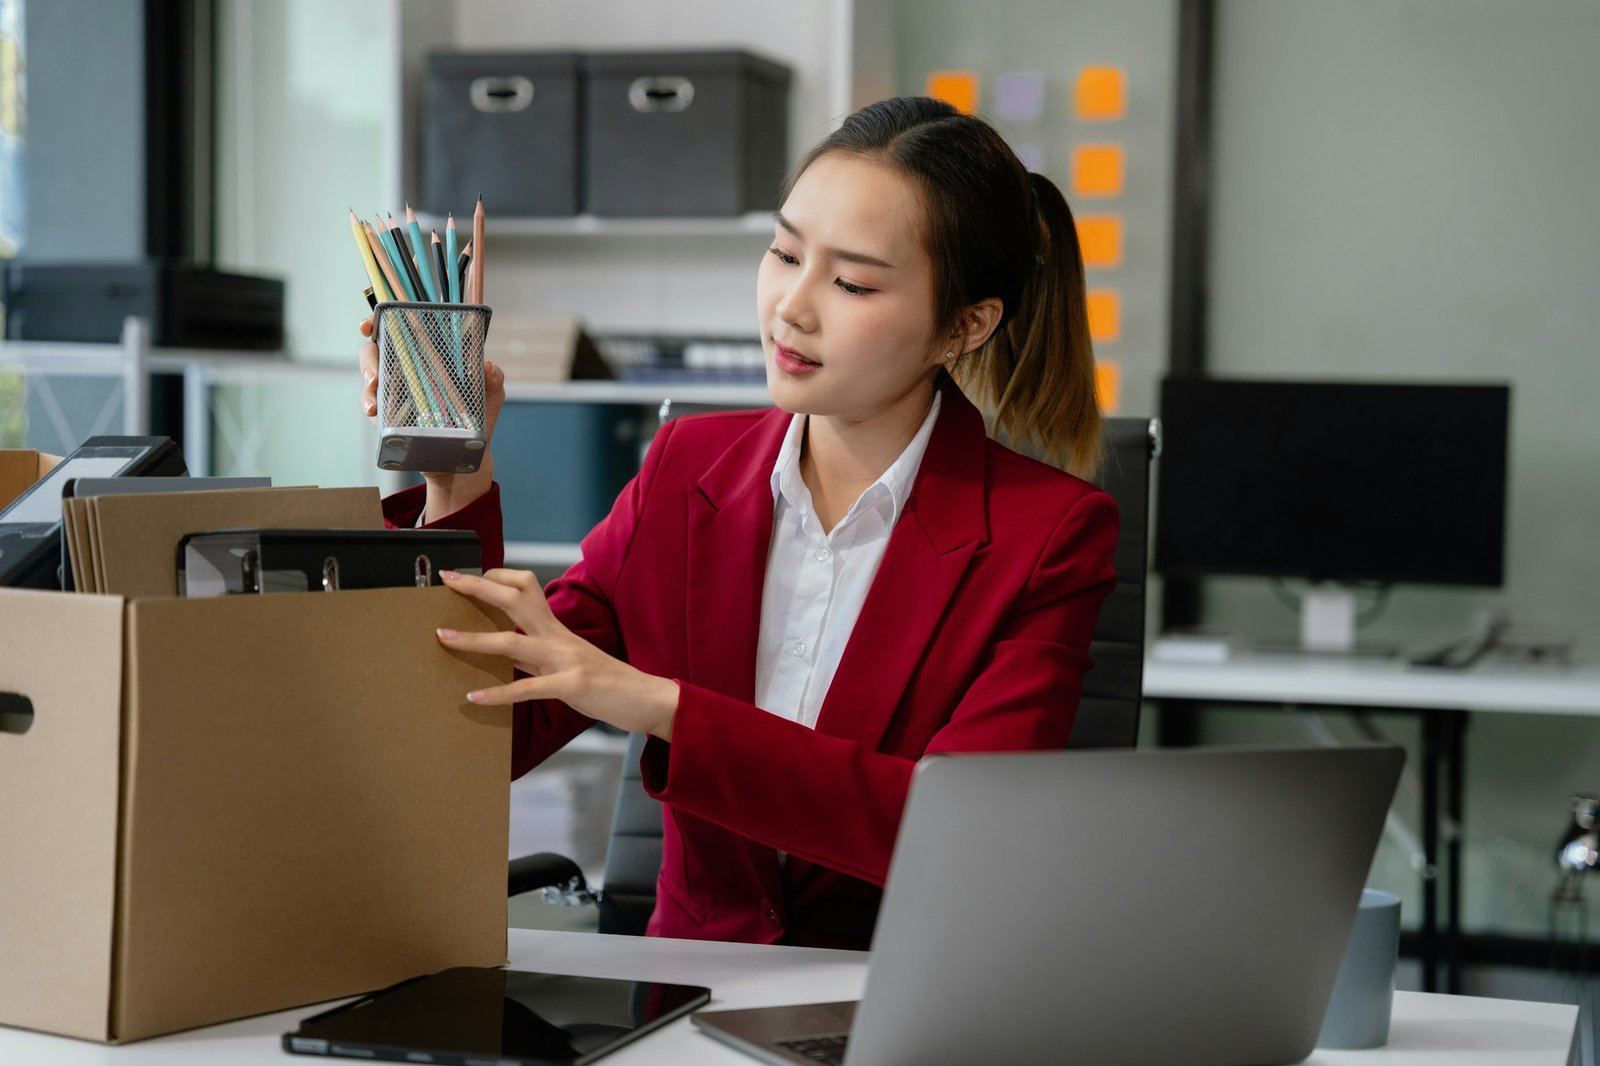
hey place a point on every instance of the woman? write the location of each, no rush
(797, 604)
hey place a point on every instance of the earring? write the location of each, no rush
(949, 355)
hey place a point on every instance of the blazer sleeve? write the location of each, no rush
(582, 599)
(481, 516)
(838, 802)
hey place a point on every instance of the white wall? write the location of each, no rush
(1406, 191)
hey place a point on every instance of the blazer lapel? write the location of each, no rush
(944, 522)
(729, 534)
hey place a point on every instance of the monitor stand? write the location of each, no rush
(1328, 628)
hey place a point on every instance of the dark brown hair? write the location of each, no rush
(994, 230)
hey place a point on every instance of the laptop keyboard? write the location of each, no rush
(825, 1049)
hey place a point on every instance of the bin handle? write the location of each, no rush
(662, 93)
(16, 713)
(513, 93)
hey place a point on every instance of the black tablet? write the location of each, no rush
(470, 1014)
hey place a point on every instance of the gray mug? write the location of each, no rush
(1363, 993)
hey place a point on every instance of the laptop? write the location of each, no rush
(1143, 907)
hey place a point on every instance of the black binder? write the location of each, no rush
(244, 561)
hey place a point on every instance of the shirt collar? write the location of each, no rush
(894, 483)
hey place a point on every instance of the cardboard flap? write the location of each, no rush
(21, 467)
(136, 537)
(58, 808)
(312, 808)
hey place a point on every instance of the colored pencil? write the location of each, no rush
(450, 252)
(475, 278)
(441, 275)
(367, 259)
(419, 248)
(381, 254)
(400, 261)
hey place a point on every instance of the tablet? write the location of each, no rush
(472, 1015)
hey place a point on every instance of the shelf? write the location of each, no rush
(643, 394)
(595, 226)
(530, 554)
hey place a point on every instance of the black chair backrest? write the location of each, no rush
(1108, 715)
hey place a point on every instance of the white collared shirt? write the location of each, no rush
(817, 580)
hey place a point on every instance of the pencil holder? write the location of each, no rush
(430, 386)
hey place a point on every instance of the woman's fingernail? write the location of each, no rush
(449, 575)
(447, 634)
(370, 376)
(475, 697)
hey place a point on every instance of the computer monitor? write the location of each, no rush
(1333, 482)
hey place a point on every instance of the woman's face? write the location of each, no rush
(845, 294)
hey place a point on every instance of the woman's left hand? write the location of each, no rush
(561, 665)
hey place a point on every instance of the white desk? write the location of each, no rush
(1428, 1030)
(1442, 697)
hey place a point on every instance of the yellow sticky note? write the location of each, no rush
(1101, 94)
(958, 88)
(1107, 385)
(1097, 169)
(1105, 315)
(1100, 240)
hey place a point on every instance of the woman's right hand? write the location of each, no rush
(447, 493)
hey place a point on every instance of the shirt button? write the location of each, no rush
(823, 554)
(772, 915)
(799, 648)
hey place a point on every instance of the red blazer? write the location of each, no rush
(973, 637)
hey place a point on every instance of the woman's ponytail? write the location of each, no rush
(1035, 377)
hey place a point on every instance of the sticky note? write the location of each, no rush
(1105, 315)
(1100, 240)
(1097, 169)
(1101, 94)
(1019, 97)
(1032, 156)
(1107, 385)
(959, 88)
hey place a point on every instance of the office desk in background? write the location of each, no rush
(1442, 698)
(1428, 1030)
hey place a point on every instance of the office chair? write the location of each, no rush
(1108, 712)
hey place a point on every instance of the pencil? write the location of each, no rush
(381, 254)
(475, 278)
(437, 262)
(367, 259)
(419, 248)
(462, 261)
(404, 260)
(450, 258)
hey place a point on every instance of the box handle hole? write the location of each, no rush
(501, 94)
(16, 713)
(660, 94)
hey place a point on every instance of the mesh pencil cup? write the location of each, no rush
(430, 386)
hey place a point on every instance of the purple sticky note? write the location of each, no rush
(1019, 97)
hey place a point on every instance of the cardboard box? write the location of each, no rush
(217, 808)
(21, 467)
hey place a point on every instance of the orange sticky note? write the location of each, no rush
(1107, 385)
(1105, 315)
(958, 88)
(1101, 93)
(1100, 240)
(1097, 169)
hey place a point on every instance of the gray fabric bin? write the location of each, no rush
(504, 124)
(684, 133)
